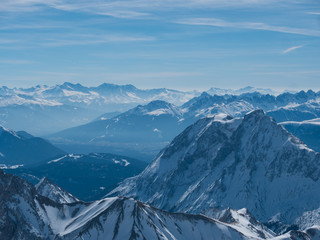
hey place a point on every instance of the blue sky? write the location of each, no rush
(190, 44)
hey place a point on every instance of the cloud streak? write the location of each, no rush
(92, 39)
(291, 49)
(134, 8)
(25, 5)
(215, 22)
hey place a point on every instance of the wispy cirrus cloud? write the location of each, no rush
(292, 49)
(314, 13)
(135, 8)
(25, 5)
(215, 22)
(93, 39)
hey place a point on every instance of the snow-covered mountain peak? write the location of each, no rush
(47, 188)
(247, 162)
(156, 104)
(156, 108)
(222, 117)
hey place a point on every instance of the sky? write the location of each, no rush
(180, 44)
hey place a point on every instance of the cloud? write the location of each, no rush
(15, 61)
(135, 8)
(92, 39)
(24, 5)
(291, 49)
(112, 9)
(215, 22)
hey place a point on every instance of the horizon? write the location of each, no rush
(276, 90)
(176, 44)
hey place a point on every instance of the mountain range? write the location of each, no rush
(29, 212)
(146, 129)
(44, 109)
(232, 165)
(219, 162)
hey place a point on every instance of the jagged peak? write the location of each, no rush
(156, 107)
(255, 113)
(43, 181)
(205, 95)
(49, 189)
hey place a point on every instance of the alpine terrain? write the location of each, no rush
(26, 214)
(143, 131)
(220, 162)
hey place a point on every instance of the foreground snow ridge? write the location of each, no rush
(26, 214)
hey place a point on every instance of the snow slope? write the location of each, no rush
(249, 162)
(27, 215)
(50, 190)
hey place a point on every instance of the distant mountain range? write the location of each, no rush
(248, 89)
(42, 110)
(220, 162)
(47, 109)
(146, 129)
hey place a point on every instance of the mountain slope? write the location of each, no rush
(148, 128)
(143, 129)
(140, 124)
(249, 162)
(27, 215)
(50, 190)
(20, 148)
(308, 131)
